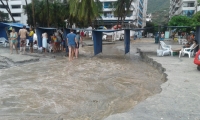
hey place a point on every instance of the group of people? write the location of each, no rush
(73, 41)
(58, 41)
(191, 41)
(23, 33)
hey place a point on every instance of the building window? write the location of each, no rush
(16, 6)
(188, 13)
(2, 6)
(130, 13)
(190, 4)
(16, 14)
(108, 14)
(108, 5)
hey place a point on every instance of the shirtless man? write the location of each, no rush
(22, 33)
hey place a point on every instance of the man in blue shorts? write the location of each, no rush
(71, 44)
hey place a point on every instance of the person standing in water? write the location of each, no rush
(44, 41)
(31, 33)
(71, 44)
(13, 41)
(78, 39)
(22, 33)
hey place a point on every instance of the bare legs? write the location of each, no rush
(11, 47)
(45, 50)
(71, 53)
(76, 52)
(16, 48)
(22, 49)
(31, 47)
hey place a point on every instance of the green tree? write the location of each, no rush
(85, 11)
(3, 16)
(122, 9)
(150, 28)
(181, 21)
(196, 19)
(6, 6)
(57, 11)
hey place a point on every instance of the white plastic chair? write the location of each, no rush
(90, 34)
(104, 37)
(35, 47)
(49, 46)
(179, 41)
(189, 51)
(166, 48)
(4, 42)
(184, 41)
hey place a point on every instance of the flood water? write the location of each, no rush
(88, 88)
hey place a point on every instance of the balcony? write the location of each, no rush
(140, 22)
(17, 18)
(115, 18)
(108, 9)
(16, 10)
(141, 2)
(140, 15)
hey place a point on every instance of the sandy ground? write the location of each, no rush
(48, 87)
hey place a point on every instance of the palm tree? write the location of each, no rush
(8, 9)
(48, 13)
(39, 13)
(3, 16)
(85, 11)
(122, 9)
(33, 13)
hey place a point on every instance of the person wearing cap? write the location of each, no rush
(22, 33)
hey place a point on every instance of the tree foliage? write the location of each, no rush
(58, 12)
(151, 28)
(122, 8)
(196, 19)
(84, 11)
(180, 21)
(3, 16)
(6, 6)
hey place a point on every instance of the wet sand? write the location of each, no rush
(88, 88)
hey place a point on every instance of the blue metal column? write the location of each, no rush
(127, 40)
(39, 36)
(97, 41)
(197, 36)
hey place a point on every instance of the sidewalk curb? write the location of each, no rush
(156, 65)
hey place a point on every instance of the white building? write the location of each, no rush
(149, 17)
(136, 16)
(182, 7)
(16, 8)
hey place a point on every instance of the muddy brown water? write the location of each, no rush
(88, 88)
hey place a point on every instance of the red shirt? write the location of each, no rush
(82, 33)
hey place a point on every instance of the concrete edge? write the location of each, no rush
(156, 65)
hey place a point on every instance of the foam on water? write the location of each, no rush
(87, 88)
